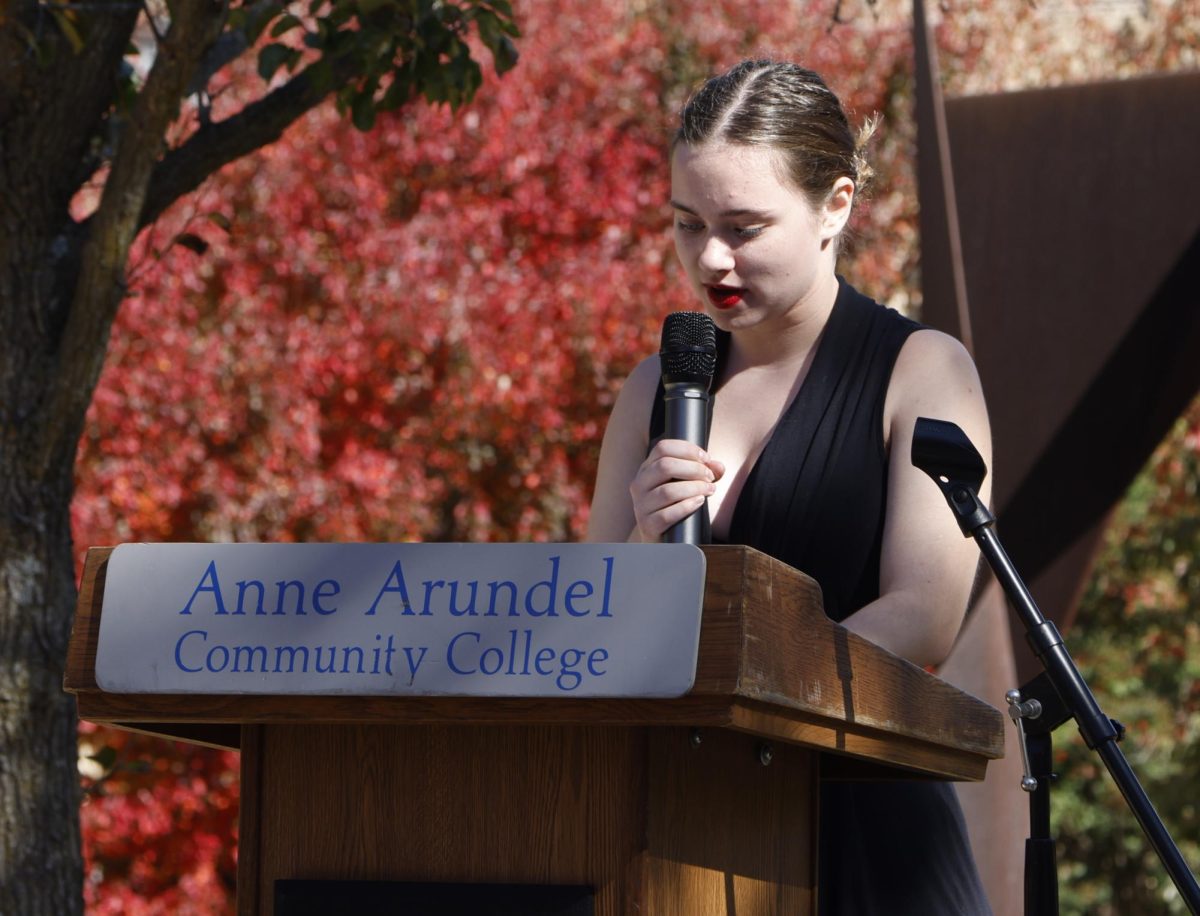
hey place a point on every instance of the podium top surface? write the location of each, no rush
(770, 663)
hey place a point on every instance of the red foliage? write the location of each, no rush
(415, 334)
(161, 825)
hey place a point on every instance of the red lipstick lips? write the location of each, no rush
(724, 297)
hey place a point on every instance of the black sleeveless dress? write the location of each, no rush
(816, 499)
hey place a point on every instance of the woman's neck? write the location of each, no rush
(788, 340)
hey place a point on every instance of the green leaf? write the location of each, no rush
(106, 757)
(259, 17)
(370, 7)
(272, 57)
(489, 27)
(190, 241)
(362, 112)
(321, 74)
(399, 92)
(220, 219)
(341, 13)
(505, 55)
(286, 23)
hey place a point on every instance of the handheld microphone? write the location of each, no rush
(688, 357)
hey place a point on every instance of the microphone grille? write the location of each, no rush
(688, 352)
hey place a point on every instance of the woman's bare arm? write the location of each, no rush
(927, 567)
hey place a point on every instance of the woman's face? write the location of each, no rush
(752, 245)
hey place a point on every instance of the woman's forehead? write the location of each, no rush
(721, 173)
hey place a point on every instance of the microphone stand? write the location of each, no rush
(944, 452)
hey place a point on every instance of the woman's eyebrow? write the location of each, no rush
(724, 214)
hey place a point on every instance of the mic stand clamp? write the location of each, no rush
(1037, 711)
(944, 452)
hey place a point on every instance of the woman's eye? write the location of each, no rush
(688, 227)
(749, 232)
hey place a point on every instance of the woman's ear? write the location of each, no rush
(836, 212)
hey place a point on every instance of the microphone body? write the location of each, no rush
(688, 357)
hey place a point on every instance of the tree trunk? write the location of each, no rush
(40, 862)
(41, 867)
(60, 285)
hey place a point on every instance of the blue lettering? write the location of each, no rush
(546, 654)
(332, 661)
(326, 588)
(608, 574)
(412, 665)
(484, 665)
(283, 586)
(469, 610)
(346, 653)
(450, 653)
(388, 652)
(573, 592)
(292, 652)
(397, 574)
(243, 587)
(249, 653)
(528, 647)
(551, 585)
(597, 655)
(567, 669)
(565, 666)
(494, 591)
(512, 651)
(430, 585)
(213, 653)
(179, 649)
(210, 576)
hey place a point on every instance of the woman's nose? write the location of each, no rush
(715, 256)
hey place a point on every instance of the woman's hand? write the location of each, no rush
(639, 494)
(670, 485)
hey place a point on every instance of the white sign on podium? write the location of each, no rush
(513, 620)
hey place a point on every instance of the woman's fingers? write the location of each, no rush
(653, 526)
(674, 458)
(671, 484)
(656, 471)
(675, 491)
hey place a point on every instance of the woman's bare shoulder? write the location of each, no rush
(636, 398)
(932, 366)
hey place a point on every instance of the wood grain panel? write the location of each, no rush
(727, 834)
(541, 805)
(905, 757)
(250, 818)
(795, 657)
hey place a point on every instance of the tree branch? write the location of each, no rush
(218, 143)
(110, 232)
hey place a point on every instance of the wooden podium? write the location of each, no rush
(706, 804)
